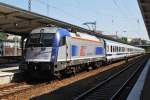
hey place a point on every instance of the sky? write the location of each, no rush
(113, 17)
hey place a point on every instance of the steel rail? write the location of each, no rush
(105, 81)
(128, 80)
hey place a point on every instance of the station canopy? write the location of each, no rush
(145, 9)
(20, 22)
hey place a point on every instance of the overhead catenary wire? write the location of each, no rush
(60, 10)
(119, 8)
(91, 12)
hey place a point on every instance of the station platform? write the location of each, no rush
(7, 73)
(141, 89)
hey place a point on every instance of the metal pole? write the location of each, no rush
(47, 6)
(29, 5)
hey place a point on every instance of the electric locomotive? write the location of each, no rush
(57, 51)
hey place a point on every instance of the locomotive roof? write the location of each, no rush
(54, 30)
(85, 36)
(45, 30)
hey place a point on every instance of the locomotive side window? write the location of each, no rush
(62, 41)
(107, 48)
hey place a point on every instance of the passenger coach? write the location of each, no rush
(116, 50)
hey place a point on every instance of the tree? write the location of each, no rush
(3, 36)
(123, 39)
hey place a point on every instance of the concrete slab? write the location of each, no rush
(7, 74)
(9, 69)
(6, 77)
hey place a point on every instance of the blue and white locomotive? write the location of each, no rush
(58, 51)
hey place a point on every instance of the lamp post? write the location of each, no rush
(124, 31)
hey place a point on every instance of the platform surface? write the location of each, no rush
(141, 89)
(7, 74)
(145, 95)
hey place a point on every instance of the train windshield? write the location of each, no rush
(40, 39)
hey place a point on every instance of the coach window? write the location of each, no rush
(107, 48)
(111, 48)
(120, 49)
(117, 49)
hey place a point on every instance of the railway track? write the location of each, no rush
(23, 87)
(13, 88)
(112, 87)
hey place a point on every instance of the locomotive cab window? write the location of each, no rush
(47, 39)
(41, 39)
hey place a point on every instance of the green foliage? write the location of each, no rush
(3, 36)
(147, 49)
(123, 39)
